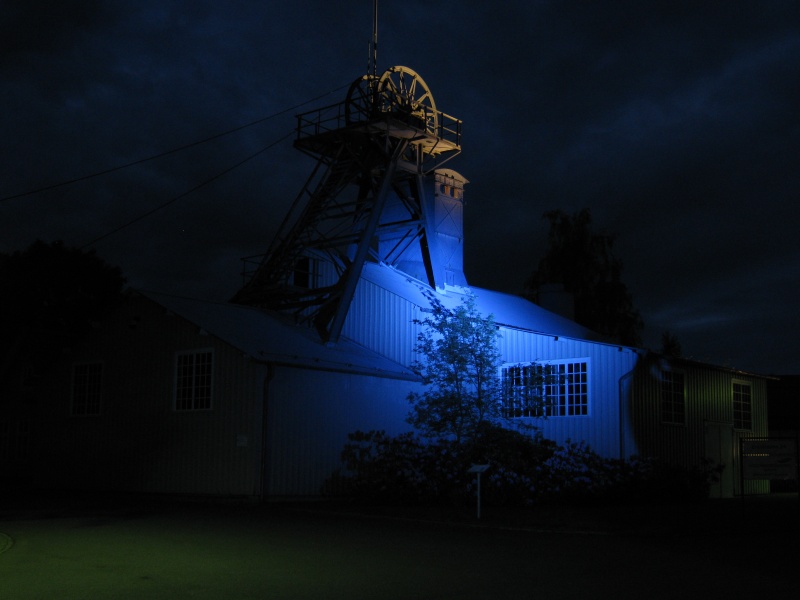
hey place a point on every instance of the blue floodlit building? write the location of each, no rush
(255, 397)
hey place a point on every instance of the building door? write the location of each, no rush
(719, 450)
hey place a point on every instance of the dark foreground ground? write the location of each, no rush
(95, 548)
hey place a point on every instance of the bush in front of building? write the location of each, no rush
(403, 469)
(523, 471)
(651, 480)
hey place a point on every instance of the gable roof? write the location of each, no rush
(515, 311)
(266, 338)
(507, 309)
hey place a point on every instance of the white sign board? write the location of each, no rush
(769, 459)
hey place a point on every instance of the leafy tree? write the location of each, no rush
(49, 293)
(584, 262)
(460, 368)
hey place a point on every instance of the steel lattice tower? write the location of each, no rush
(367, 198)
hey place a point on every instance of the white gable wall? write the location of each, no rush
(608, 396)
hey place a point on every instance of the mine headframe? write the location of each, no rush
(375, 149)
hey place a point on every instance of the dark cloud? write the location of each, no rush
(676, 123)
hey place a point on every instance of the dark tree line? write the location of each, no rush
(583, 261)
(50, 293)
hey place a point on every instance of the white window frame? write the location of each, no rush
(193, 388)
(668, 404)
(559, 396)
(741, 422)
(86, 389)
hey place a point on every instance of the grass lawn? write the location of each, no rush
(175, 551)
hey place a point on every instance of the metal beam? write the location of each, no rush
(353, 273)
(431, 252)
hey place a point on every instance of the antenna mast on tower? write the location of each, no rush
(372, 67)
(375, 195)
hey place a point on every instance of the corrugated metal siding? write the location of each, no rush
(709, 400)
(139, 442)
(607, 365)
(309, 416)
(383, 321)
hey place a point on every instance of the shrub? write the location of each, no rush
(401, 469)
(524, 470)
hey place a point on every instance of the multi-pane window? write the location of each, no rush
(567, 392)
(742, 406)
(87, 382)
(673, 397)
(553, 389)
(193, 380)
(523, 391)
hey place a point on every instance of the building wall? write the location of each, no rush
(708, 431)
(139, 441)
(625, 399)
(310, 414)
(608, 366)
(384, 321)
(18, 376)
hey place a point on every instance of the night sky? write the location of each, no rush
(676, 123)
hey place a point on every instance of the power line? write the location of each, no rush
(186, 193)
(168, 152)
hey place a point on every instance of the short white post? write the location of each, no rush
(478, 469)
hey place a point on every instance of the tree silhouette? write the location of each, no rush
(48, 294)
(583, 262)
(670, 345)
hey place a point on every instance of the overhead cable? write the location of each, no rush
(186, 193)
(167, 152)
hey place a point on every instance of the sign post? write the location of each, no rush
(478, 469)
